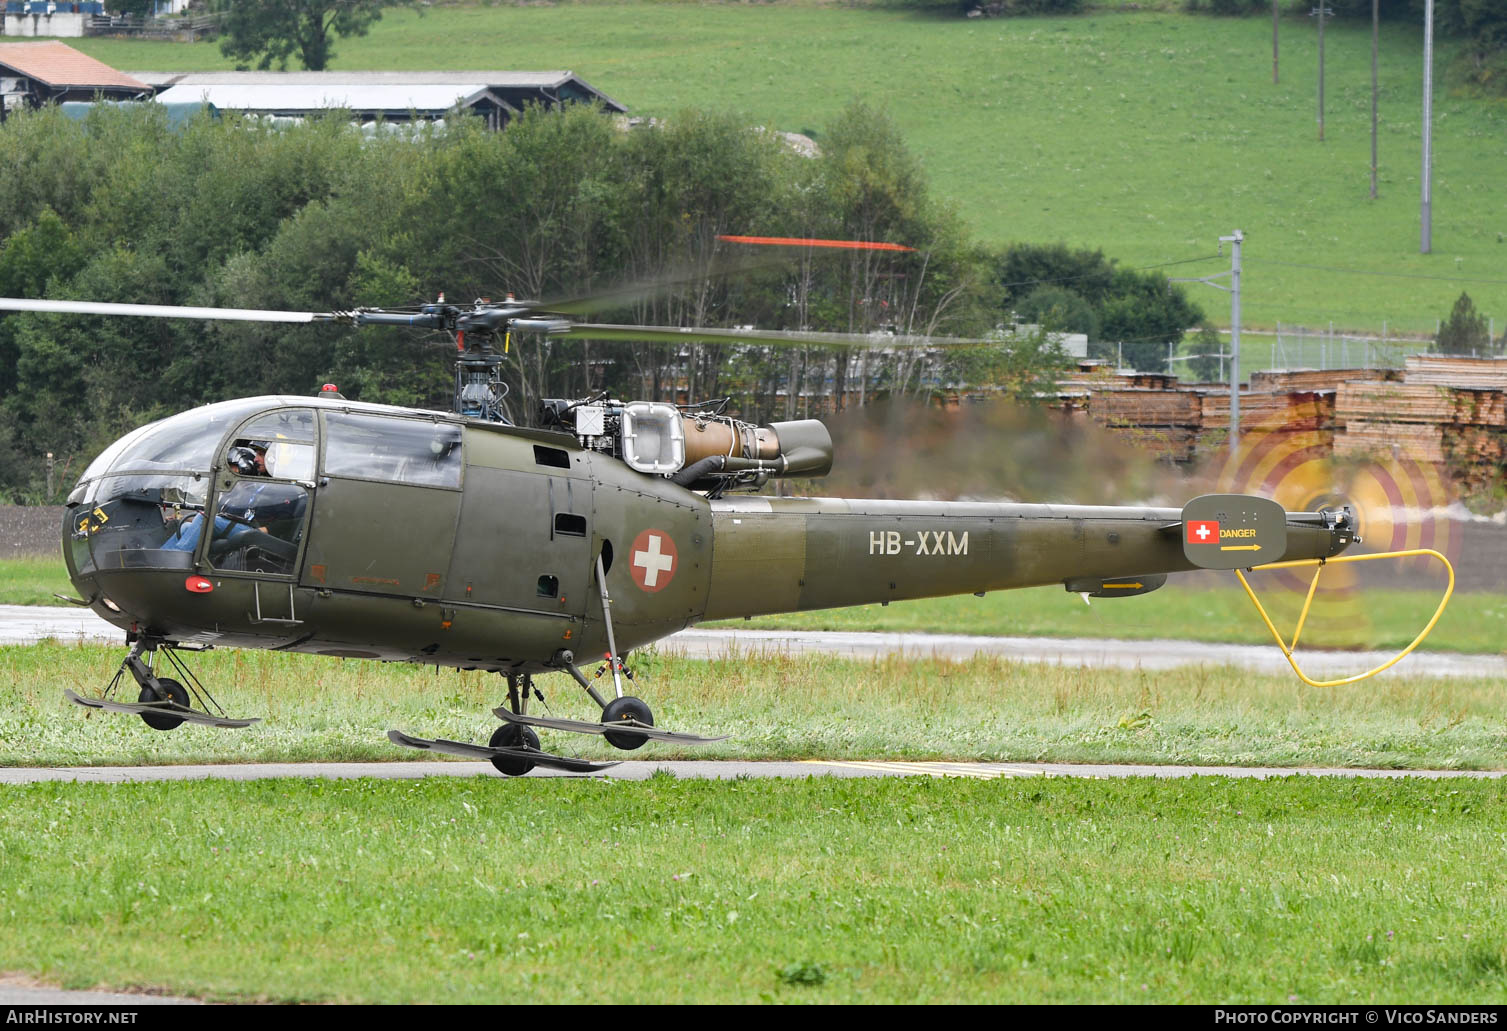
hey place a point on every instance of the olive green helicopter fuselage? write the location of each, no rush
(375, 532)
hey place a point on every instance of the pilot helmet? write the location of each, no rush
(243, 460)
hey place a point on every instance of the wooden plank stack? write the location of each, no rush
(1145, 407)
(1421, 442)
(1420, 402)
(1439, 409)
(1317, 379)
(1451, 371)
(1272, 410)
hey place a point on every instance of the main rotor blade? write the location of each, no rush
(630, 291)
(162, 311)
(674, 335)
(804, 241)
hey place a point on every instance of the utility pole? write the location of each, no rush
(1375, 22)
(49, 477)
(1235, 241)
(1321, 11)
(1426, 213)
(1274, 42)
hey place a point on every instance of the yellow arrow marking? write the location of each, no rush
(1123, 586)
(1240, 547)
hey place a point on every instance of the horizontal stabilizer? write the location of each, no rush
(1116, 586)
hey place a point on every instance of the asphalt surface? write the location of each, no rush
(20, 624)
(24, 992)
(692, 769)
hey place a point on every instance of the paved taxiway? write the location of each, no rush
(700, 769)
(21, 624)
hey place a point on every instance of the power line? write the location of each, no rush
(1369, 272)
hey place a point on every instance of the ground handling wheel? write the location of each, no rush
(511, 735)
(626, 708)
(170, 691)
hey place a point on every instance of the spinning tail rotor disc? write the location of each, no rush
(1398, 500)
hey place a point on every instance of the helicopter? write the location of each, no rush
(322, 525)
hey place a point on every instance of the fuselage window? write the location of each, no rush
(575, 525)
(373, 447)
(552, 457)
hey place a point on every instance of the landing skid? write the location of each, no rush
(182, 712)
(584, 727)
(489, 753)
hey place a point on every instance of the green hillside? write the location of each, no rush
(1146, 133)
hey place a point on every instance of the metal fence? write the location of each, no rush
(1305, 347)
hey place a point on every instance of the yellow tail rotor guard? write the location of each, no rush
(1319, 565)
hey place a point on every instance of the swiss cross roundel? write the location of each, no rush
(652, 560)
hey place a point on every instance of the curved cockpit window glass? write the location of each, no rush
(294, 425)
(186, 442)
(375, 447)
(279, 445)
(136, 522)
(258, 527)
(108, 456)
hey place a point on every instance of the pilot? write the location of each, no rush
(250, 460)
(250, 518)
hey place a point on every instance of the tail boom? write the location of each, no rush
(774, 555)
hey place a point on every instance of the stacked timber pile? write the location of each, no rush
(1163, 421)
(1316, 379)
(1272, 410)
(1449, 371)
(1446, 410)
(1180, 422)
(1439, 409)
(1422, 403)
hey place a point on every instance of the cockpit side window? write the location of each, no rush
(279, 445)
(375, 447)
(258, 527)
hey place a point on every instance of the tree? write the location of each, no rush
(1464, 332)
(1144, 315)
(1207, 366)
(273, 30)
(1063, 310)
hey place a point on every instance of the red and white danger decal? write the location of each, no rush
(653, 560)
(1203, 531)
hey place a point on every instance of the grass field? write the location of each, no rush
(1147, 133)
(36, 580)
(777, 708)
(823, 890)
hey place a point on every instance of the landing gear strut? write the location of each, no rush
(164, 703)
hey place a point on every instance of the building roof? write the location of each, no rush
(297, 99)
(58, 65)
(516, 88)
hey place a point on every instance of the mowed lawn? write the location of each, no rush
(1146, 133)
(1302, 890)
(774, 707)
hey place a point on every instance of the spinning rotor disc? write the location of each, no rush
(1399, 502)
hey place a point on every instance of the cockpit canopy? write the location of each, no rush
(144, 501)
